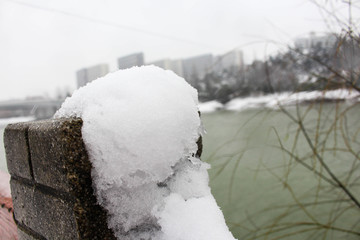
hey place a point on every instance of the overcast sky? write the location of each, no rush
(44, 42)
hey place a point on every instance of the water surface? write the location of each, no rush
(259, 186)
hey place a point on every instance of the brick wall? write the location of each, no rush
(51, 182)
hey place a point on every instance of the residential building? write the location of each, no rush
(168, 64)
(132, 60)
(324, 41)
(89, 74)
(230, 61)
(197, 67)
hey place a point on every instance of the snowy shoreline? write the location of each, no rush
(273, 101)
(265, 101)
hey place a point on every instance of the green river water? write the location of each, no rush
(261, 190)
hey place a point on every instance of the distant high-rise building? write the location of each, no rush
(136, 59)
(177, 67)
(164, 63)
(197, 67)
(174, 65)
(325, 41)
(89, 74)
(232, 60)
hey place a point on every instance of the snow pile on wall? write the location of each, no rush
(140, 127)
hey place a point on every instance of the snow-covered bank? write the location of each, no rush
(140, 127)
(6, 121)
(288, 98)
(210, 106)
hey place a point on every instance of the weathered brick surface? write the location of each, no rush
(58, 202)
(47, 153)
(22, 235)
(48, 215)
(17, 151)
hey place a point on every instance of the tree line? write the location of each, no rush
(317, 67)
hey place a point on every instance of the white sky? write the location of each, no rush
(44, 42)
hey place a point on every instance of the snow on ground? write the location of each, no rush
(211, 106)
(140, 127)
(287, 98)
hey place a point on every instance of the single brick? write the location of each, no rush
(43, 213)
(17, 150)
(47, 153)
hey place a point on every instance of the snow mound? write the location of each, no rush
(140, 128)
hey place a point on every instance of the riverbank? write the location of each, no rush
(273, 101)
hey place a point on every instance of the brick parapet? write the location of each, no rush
(51, 181)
